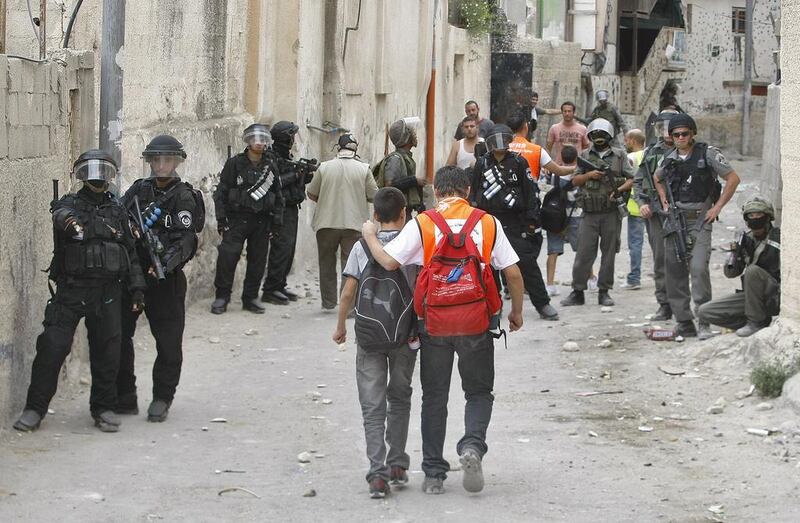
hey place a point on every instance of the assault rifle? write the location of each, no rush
(619, 201)
(151, 241)
(674, 225)
(304, 166)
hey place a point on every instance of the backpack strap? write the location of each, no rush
(456, 240)
(364, 246)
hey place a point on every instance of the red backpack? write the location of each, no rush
(455, 295)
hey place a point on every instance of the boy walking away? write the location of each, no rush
(456, 296)
(385, 324)
(634, 143)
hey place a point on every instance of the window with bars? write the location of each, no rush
(738, 17)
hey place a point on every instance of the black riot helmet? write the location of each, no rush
(162, 156)
(96, 168)
(499, 138)
(283, 133)
(347, 141)
(682, 120)
(257, 134)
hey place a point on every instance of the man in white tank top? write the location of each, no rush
(462, 153)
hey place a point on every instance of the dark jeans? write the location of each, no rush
(166, 311)
(100, 305)
(281, 251)
(476, 368)
(328, 242)
(253, 229)
(384, 391)
(528, 249)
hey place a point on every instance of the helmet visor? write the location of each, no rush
(498, 141)
(161, 165)
(100, 170)
(257, 137)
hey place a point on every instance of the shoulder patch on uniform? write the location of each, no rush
(185, 218)
(529, 174)
(721, 157)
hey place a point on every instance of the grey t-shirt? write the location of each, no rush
(358, 260)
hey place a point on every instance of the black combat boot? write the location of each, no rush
(604, 299)
(574, 298)
(158, 410)
(686, 329)
(291, 295)
(220, 305)
(28, 421)
(275, 298)
(106, 421)
(253, 306)
(663, 313)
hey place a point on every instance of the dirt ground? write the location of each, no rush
(649, 451)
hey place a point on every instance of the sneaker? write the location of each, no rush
(106, 421)
(433, 485)
(398, 475)
(253, 306)
(219, 306)
(547, 312)
(592, 284)
(28, 421)
(158, 410)
(473, 471)
(574, 298)
(750, 329)
(289, 294)
(275, 298)
(663, 313)
(630, 286)
(552, 290)
(604, 299)
(686, 329)
(378, 488)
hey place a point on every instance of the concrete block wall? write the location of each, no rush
(35, 147)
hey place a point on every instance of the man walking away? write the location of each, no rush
(383, 374)
(342, 189)
(415, 245)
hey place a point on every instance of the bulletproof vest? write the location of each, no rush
(413, 194)
(652, 157)
(593, 196)
(172, 222)
(292, 186)
(691, 180)
(102, 253)
(769, 258)
(508, 195)
(247, 175)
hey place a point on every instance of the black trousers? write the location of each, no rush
(166, 311)
(253, 229)
(100, 305)
(527, 249)
(476, 368)
(281, 251)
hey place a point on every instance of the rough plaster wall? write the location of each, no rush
(34, 113)
(20, 37)
(771, 182)
(790, 158)
(702, 88)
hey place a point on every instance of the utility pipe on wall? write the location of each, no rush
(42, 29)
(430, 104)
(747, 84)
(113, 40)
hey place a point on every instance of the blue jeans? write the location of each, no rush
(635, 241)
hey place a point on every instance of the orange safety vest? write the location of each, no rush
(455, 209)
(529, 151)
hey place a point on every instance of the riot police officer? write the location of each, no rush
(691, 171)
(757, 259)
(93, 255)
(398, 169)
(606, 175)
(169, 214)
(249, 207)
(645, 194)
(502, 185)
(293, 178)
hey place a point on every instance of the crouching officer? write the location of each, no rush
(292, 179)
(688, 182)
(93, 255)
(757, 259)
(167, 214)
(503, 186)
(601, 198)
(249, 207)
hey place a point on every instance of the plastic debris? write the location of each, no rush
(234, 489)
(304, 457)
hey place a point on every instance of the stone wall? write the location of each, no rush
(45, 112)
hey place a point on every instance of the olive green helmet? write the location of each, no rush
(758, 204)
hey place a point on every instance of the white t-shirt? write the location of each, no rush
(407, 249)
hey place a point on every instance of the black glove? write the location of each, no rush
(222, 225)
(405, 183)
(137, 299)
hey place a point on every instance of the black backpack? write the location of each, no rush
(385, 316)
(554, 208)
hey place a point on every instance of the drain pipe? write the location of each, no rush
(430, 104)
(113, 40)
